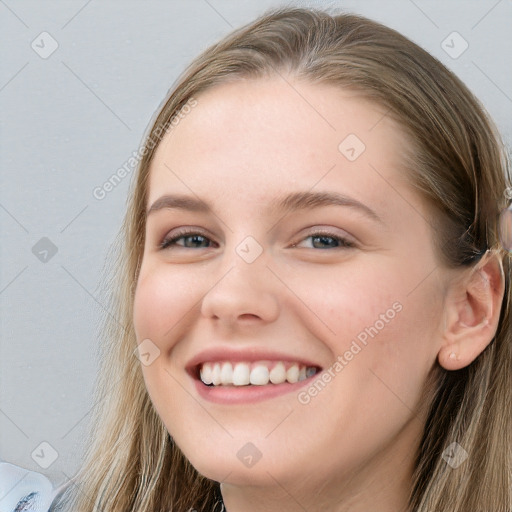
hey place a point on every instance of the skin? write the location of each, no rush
(352, 447)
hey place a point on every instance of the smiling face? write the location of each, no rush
(346, 286)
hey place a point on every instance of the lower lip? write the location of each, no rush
(247, 394)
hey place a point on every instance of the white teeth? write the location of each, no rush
(292, 375)
(216, 374)
(278, 374)
(226, 374)
(257, 374)
(206, 373)
(241, 374)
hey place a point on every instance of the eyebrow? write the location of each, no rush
(291, 202)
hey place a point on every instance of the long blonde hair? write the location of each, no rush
(456, 160)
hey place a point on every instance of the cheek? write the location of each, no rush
(161, 299)
(386, 336)
(351, 301)
(152, 306)
(401, 349)
(161, 302)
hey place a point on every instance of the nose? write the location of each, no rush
(242, 293)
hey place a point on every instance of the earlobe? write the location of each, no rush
(472, 313)
(454, 359)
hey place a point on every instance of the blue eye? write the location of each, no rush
(198, 240)
(168, 242)
(325, 238)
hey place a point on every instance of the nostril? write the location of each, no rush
(248, 316)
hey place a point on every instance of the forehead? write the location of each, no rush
(251, 138)
(286, 109)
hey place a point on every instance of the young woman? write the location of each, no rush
(312, 302)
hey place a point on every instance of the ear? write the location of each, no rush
(472, 311)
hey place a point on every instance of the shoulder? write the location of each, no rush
(24, 490)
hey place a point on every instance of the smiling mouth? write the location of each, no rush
(258, 373)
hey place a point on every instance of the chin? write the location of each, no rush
(236, 466)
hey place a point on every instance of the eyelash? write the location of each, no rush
(168, 242)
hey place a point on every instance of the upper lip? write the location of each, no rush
(217, 354)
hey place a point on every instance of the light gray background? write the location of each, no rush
(70, 121)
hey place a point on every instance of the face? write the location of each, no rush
(346, 288)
